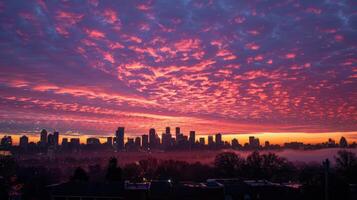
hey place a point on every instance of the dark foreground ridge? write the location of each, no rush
(229, 176)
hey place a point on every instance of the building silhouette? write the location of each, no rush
(152, 138)
(120, 138)
(343, 142)
(218, 139)
(24, 141)
(145, 142)
(6, 142)
(177, 132)
(56, 138)
(210, 141)
(43, 137)
(254, 142)
(192, 138)
(110, 141)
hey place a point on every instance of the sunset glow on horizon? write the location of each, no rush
(280, 71)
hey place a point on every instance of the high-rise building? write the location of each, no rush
(43, 138)
(56, 138)
(152, 138)
(145, 142)
(343, 142)
(168, 130)
(210, 141)
(192, 139)
(202, 141)
(177, 132)
(120, 138)
(109, 141)
(137, 142)
(6, 141)
(218, 139)
(254, 142)
(24, 141)
(50, 140)
(166, 140)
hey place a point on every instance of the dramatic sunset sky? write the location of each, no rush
(87, 67)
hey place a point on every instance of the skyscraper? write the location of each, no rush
(43, 138)
(56, 137)
(218, 139)
(137, 142)
(192, 138)
(254, 142)
(152, 138)
(210, 141)
(168, 130)
(50, 140)
(202, 141)
(6, 141)
(145, 142)
(177, 132)
(120, 138)
(343, 142)
(166, 140)
(24, 141)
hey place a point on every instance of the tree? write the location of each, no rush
(346, 165)
(113, 172)
(345, 160)
(80, 175)
(228, 164)
(133, 171)
(275, 167)
(254, 164)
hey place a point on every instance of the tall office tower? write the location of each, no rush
(192, 139)
(145, 142)
(177, 132)
(219, 139)
(110, 141)
(254, 142)
(56, 137)
(152, 138)
(43, 137)
(120, 138)
(24, 141)
(168, 130)
(50, 140)
(202, 141)
(137, 142)
(251, 140)
(166, 140)
(210, 141)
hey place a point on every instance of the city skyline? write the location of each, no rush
(155, 134)
(282, 70)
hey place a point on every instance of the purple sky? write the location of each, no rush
(230, 66)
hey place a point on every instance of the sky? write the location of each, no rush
(87, 67)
